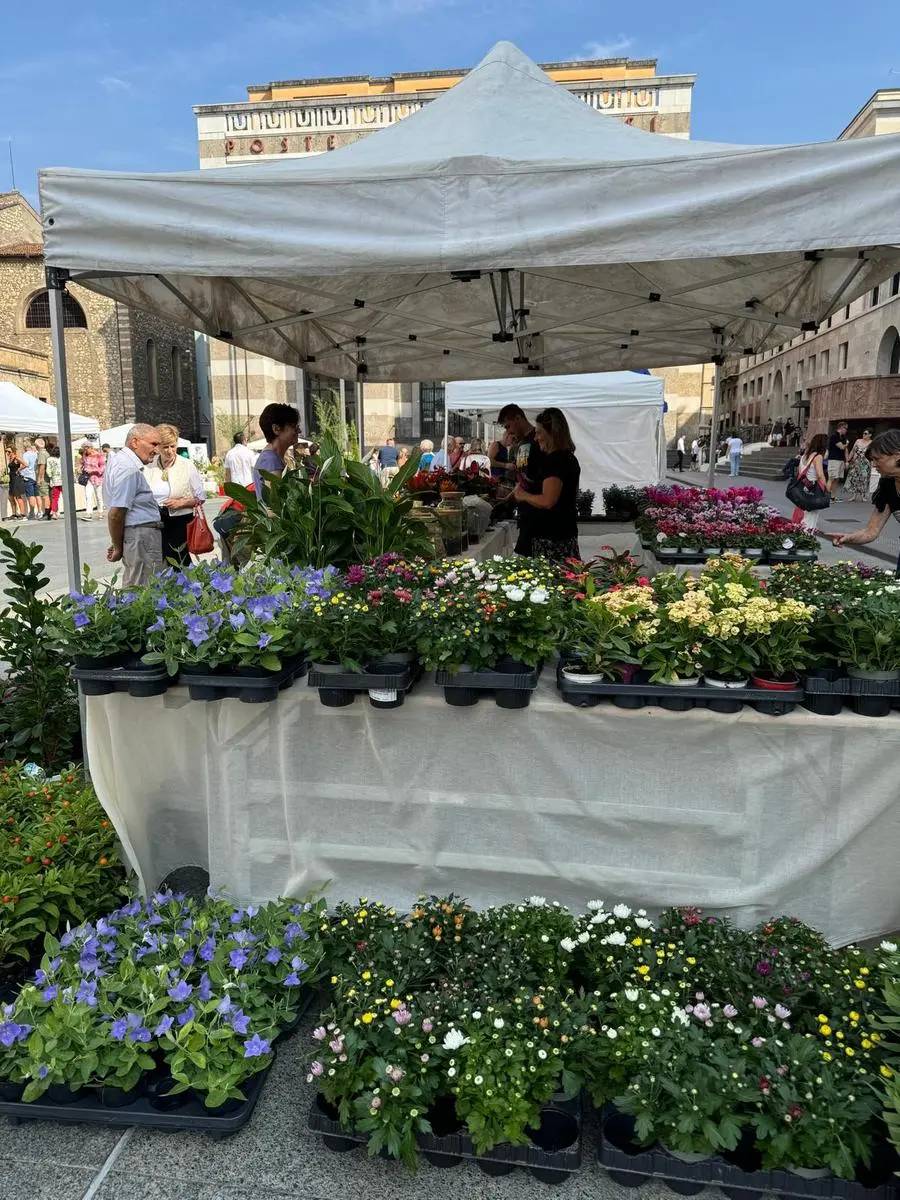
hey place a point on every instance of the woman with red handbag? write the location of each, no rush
(179, 492)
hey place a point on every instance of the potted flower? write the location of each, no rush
(779, 633)
(864, 632)
(608, 627)
(100, 627)
(672, 652)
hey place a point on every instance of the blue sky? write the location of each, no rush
(110, 83)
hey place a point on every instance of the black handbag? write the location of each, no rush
(83, 479)
(808, 496)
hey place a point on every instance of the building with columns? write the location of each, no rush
(299, 117)
(850, 367)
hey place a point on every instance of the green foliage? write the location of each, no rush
(331, 426)
(39, 715)
(343, 515)
(58, 860)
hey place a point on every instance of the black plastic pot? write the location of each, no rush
(218, 1110)
(675, 703)
(443, 1118)
(115, 1097)
(629, 701)
(390, 664)
(619, 1130)
(685, 1187)
(96, 687)
(557, 1131)
(872, 706)
(513, 699)
(11, 1091)
(387, 703)
(340, 1145)
(461, 697)
(58, 1093)
(101, 662)
(724, 706)
(826, 704)
(511, 666)
(745, 1154)
(158, 1085)
(490, 1166)
(335, 697)
(196, 669)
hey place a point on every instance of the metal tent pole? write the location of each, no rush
(361, 417)
(56, 283)
(718, 361)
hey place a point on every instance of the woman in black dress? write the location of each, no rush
(17, 502)
(555, 491)
(883, 453)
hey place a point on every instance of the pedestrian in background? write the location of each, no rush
(43, 483)
(838, 446)
(54, 477)
(29, 475)
(734, 447)
(679, 450)
(695, 454)
(856, 482)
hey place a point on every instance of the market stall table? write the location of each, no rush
(745, 814)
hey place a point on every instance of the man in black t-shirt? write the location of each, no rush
(528, 458)
(837, 457)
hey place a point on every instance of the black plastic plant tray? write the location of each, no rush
(632, 1167)
(341, 688)
(552, 1167)
(678, 699)
(510, 691)
(259, 688)
(192, 1114)
(826, 694)
(132, 678)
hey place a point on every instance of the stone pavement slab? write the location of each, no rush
(56, 1145)
(42, 1181)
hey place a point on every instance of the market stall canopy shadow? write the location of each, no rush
(505, 228)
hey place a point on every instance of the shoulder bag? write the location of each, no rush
(199, 534)
(802, 494)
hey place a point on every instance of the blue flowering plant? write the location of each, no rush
(215, 616)
(206, 987)
(98, 622)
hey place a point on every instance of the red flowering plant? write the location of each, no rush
(696, 519)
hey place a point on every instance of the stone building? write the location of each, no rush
(299, 117)
(850, 367)
(123, 365)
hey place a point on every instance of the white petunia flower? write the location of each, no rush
(621, 911)
(453, 1039)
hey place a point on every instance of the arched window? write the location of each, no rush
(889, 353)
(38, 314)
(152, 368)
(177, 385)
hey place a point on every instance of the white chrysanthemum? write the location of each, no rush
(595, 905)
(499, 1023)
(621, 911)
(631, 994)
(537, 901)
(656, 1032)
(889, 947)
(584, 937)
(616, 938)
(612, 1033)
(568, 945)
(479, 1080)
(453, 1039)
(539, 596)
(490, 587)
(542, 1053)
(643, 922)
(680, 1017)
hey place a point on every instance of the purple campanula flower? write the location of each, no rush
(291, 932)
(164, 1026)
(238, 959)
(207, 951)
(188, 1015)
(81, 619)
(298, 964)
(141, 1034)
(117, 1029)
(237, 916)
(224, 1006)
(87, 993)
(181, 991)
(251, 910)
(256, 1046)
(158, 624)
(9, 1032)
(43, 1072)
(273, 955)
(204, 990)
(264, 639)
(240, 1022)
(67, 939)
(162, 604)
(292, 980)
(220, 583)
(188, 958)
(41, 977)
(237, 620)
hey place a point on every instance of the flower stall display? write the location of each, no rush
(58, 861)
(699, 521)
(477, 614)
(100, 625)
(164, 994)
(764, 1045)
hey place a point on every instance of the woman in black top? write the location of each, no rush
(883, 453)
(554, 519)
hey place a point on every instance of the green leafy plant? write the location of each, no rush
(39, 712)
(99, 621)
(343, 514)
(329, 424)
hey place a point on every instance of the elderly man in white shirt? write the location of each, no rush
(239, 462)
(135, 527)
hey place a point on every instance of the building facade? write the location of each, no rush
(123, 365)
(300, 117)
(850, 367)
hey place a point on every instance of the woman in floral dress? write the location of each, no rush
(856, 482)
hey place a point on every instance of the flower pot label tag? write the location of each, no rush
(387, 695)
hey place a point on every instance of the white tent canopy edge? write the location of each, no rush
(21, 412)
(616, 419)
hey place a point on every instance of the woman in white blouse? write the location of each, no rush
(177, 489)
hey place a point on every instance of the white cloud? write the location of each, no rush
(113, 84)
(616, 48)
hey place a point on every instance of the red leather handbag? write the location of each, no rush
(199, 534)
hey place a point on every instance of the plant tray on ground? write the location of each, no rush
(133, 677)
(631, 1166)
(678, 699)
(340, 688)
(249, 685)
(549, 1166)
(510, 690)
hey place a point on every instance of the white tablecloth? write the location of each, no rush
(744, 814)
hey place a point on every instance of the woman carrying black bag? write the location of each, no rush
(808, 490)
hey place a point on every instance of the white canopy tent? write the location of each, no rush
(616, 419)
(462, 243)
(22, 413)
